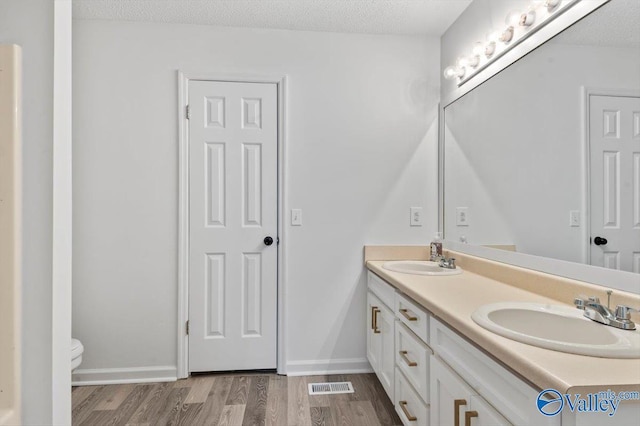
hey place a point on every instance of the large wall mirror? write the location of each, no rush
(544, 157)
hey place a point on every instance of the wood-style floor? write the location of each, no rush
(235, 399)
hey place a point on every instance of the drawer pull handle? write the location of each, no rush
(457, 403)
(406, 359)
(403, 405)
(468, 415)
(405, 313)
(374, 319)
(373, 310)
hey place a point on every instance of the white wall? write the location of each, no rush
(29, 23)
(514, 148)
(361, 149)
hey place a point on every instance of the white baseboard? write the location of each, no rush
(111, 376)
(328, 366)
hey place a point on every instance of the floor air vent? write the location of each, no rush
(330, 388)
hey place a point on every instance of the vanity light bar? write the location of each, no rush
(519, 26)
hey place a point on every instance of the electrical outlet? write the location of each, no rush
(462, 216)
(416, 216)
(296, 217)
(574, 218)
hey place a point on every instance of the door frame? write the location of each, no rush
(587, 92)
(183, 208)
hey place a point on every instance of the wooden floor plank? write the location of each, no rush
(364, 413)
(213, 406)
(190, 413)
(114, 400)
(84, 408)
(130, 405)
(341, 413)
(255, 410)
(80, 393)
(276, 410)
(172, 407)
(200, 387)
(377, 395)
(298, 402)
(232, 415)
(239, 391)
(98, 418)
(152, 404)
(321, 416)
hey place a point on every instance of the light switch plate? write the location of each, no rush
(574, 218)
(296, 217)
(462, 216)
(416, 216)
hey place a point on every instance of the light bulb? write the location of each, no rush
(535, 4)
(490, 49)
(507, 35)
(527, 19)
(453, 72)
(462, 62)
(493, 36)
(512, 18)
(552, 4)
(473, 61)
(478, 48)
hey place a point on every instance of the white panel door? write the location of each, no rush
(614, 136)
(233, 213)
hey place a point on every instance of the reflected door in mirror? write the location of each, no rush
(614, 145)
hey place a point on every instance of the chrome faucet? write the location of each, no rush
(620, 318)
(449, 263)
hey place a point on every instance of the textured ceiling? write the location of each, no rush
(616, 24)
(426, 17)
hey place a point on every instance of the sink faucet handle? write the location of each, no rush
(594, 299)
(579, 302)
(623, 312)
(448, 263)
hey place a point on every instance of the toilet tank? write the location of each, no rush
(10, 233)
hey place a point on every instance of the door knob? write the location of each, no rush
(268, 241)
(599, 241)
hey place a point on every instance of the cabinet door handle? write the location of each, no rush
(468, 415)
(405, 313)
(457, 403)
(403, 405)
(406, 359)
(375, 320)
(373, 315)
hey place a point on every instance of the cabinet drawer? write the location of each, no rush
(412, 358)
(385, 292)
(413, 316)
(512, 397)
(410, 408)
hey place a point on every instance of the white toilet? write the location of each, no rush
(76, 353)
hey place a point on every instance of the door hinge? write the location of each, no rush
(187, 113)
(187, 327)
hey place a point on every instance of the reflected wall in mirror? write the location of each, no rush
(545, 156)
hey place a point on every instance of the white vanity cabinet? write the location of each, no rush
(380, 331)
(413, 356)
(491, 394)
(453, 402)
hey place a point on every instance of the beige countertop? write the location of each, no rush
(454, 298)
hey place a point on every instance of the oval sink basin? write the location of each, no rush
(419, 267)
(556, 327)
